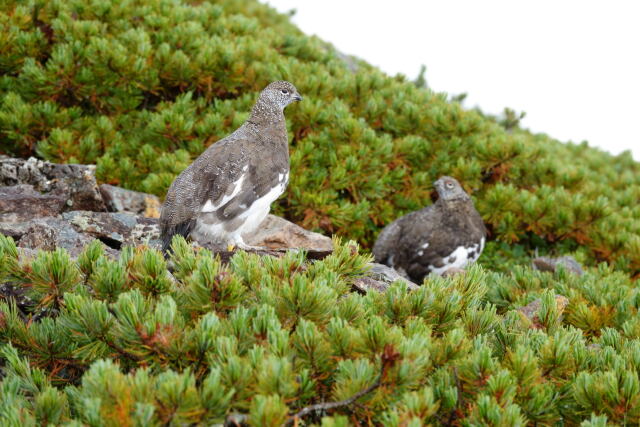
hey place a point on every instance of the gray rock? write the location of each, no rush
(115, 229)
(544, 263)
(18, 190)
(146, 231)
(379, 278)
(14, 229)
(52, 233)
(76, 184)
(119, 199)
(531, 311)
(278, 233)
(21, 202)
(14, 291)
(386, 273)
(76, 229)
(365, 283)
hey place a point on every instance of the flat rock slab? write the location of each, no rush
(119, 199)
(544, 263)
(22, 202)
(275, 237)
(76, 184)
(278, 233)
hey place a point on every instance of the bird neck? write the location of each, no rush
(265, 114)
(455, 204)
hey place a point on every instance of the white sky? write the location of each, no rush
(572, 66)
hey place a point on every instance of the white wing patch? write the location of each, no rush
(237, 186)
(477, 250)
(421, 251)
(460, 257)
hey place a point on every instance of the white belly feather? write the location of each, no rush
(259, 209)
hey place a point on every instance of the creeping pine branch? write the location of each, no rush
(389, 357)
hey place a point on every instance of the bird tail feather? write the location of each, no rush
(166, 234)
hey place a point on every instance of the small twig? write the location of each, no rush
(122, 352)
(452, 415)
(458, 385)
(332, 405)
(389, 357)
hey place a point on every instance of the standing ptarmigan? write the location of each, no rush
(449, 233)
(228, 190)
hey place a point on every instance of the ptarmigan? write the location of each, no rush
(227, 191)
(449, 233)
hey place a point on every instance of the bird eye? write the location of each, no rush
(449, 184)
(285, 91)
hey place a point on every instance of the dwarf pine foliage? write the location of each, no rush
(142, 87)
(113, 342)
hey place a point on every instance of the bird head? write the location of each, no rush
(449, 189)
(280, 93)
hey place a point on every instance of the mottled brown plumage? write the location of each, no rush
(449, 233)
(227, 191)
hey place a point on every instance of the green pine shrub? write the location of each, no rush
(263, 338)
(141, 88)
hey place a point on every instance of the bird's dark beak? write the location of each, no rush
(297, 98)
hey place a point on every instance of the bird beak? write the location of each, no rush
(297, 98)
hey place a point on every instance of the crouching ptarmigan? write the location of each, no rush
(449, 233)
(227, 191)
